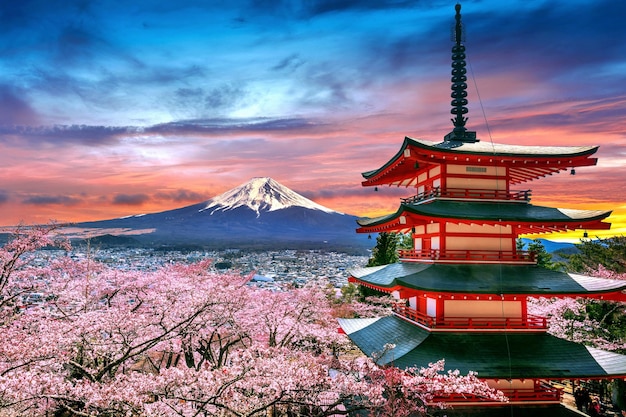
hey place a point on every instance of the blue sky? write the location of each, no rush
(111, 108)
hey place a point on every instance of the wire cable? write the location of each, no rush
(497, 187)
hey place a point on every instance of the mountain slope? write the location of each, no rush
(261, 213)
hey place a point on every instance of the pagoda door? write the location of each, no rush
(426, 246)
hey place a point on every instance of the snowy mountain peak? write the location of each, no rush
(261, 194)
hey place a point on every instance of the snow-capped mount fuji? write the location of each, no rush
(259, 214)
(262, 194)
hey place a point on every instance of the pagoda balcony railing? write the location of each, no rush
(531, 322)
(543, 394)
(463, 193)
(467, 256)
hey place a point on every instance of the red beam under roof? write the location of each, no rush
(525, 218)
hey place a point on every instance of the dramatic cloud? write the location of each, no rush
(72, 135)
(234, 125)
(130, 199)
(65, 135)
(46, 200)
(182, 196)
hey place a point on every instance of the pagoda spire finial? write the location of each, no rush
(459, 85)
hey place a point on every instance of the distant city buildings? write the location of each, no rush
(273, 270)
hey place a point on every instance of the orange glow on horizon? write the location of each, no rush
(325, 162)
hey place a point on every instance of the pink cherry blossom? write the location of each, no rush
(183, 341)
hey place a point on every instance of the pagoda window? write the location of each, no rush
(435, 243)
(432, 228)
(413, 303)
(434, 171)
(482, 309)
(421, 178)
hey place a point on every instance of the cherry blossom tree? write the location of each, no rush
(580, 320)
(598, 323)
(184, 341)
(16, 256)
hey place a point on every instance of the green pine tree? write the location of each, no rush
(543, 257)
(609, 252)
(386, 249)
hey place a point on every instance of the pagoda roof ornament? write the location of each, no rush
(459, 86)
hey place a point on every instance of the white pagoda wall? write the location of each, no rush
(469, 177)
(476, 183)
(478, 243)
(472, 239)
(482, 308)
(429, 179)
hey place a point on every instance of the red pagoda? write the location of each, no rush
(462, 290)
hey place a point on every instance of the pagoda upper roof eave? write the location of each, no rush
(398, 172)
(530, 219)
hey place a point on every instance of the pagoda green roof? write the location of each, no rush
(499, 149)
(489, 211)
(484, 279)
(488, 149)
(501, 355)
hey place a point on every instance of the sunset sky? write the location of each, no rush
(112, 108)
